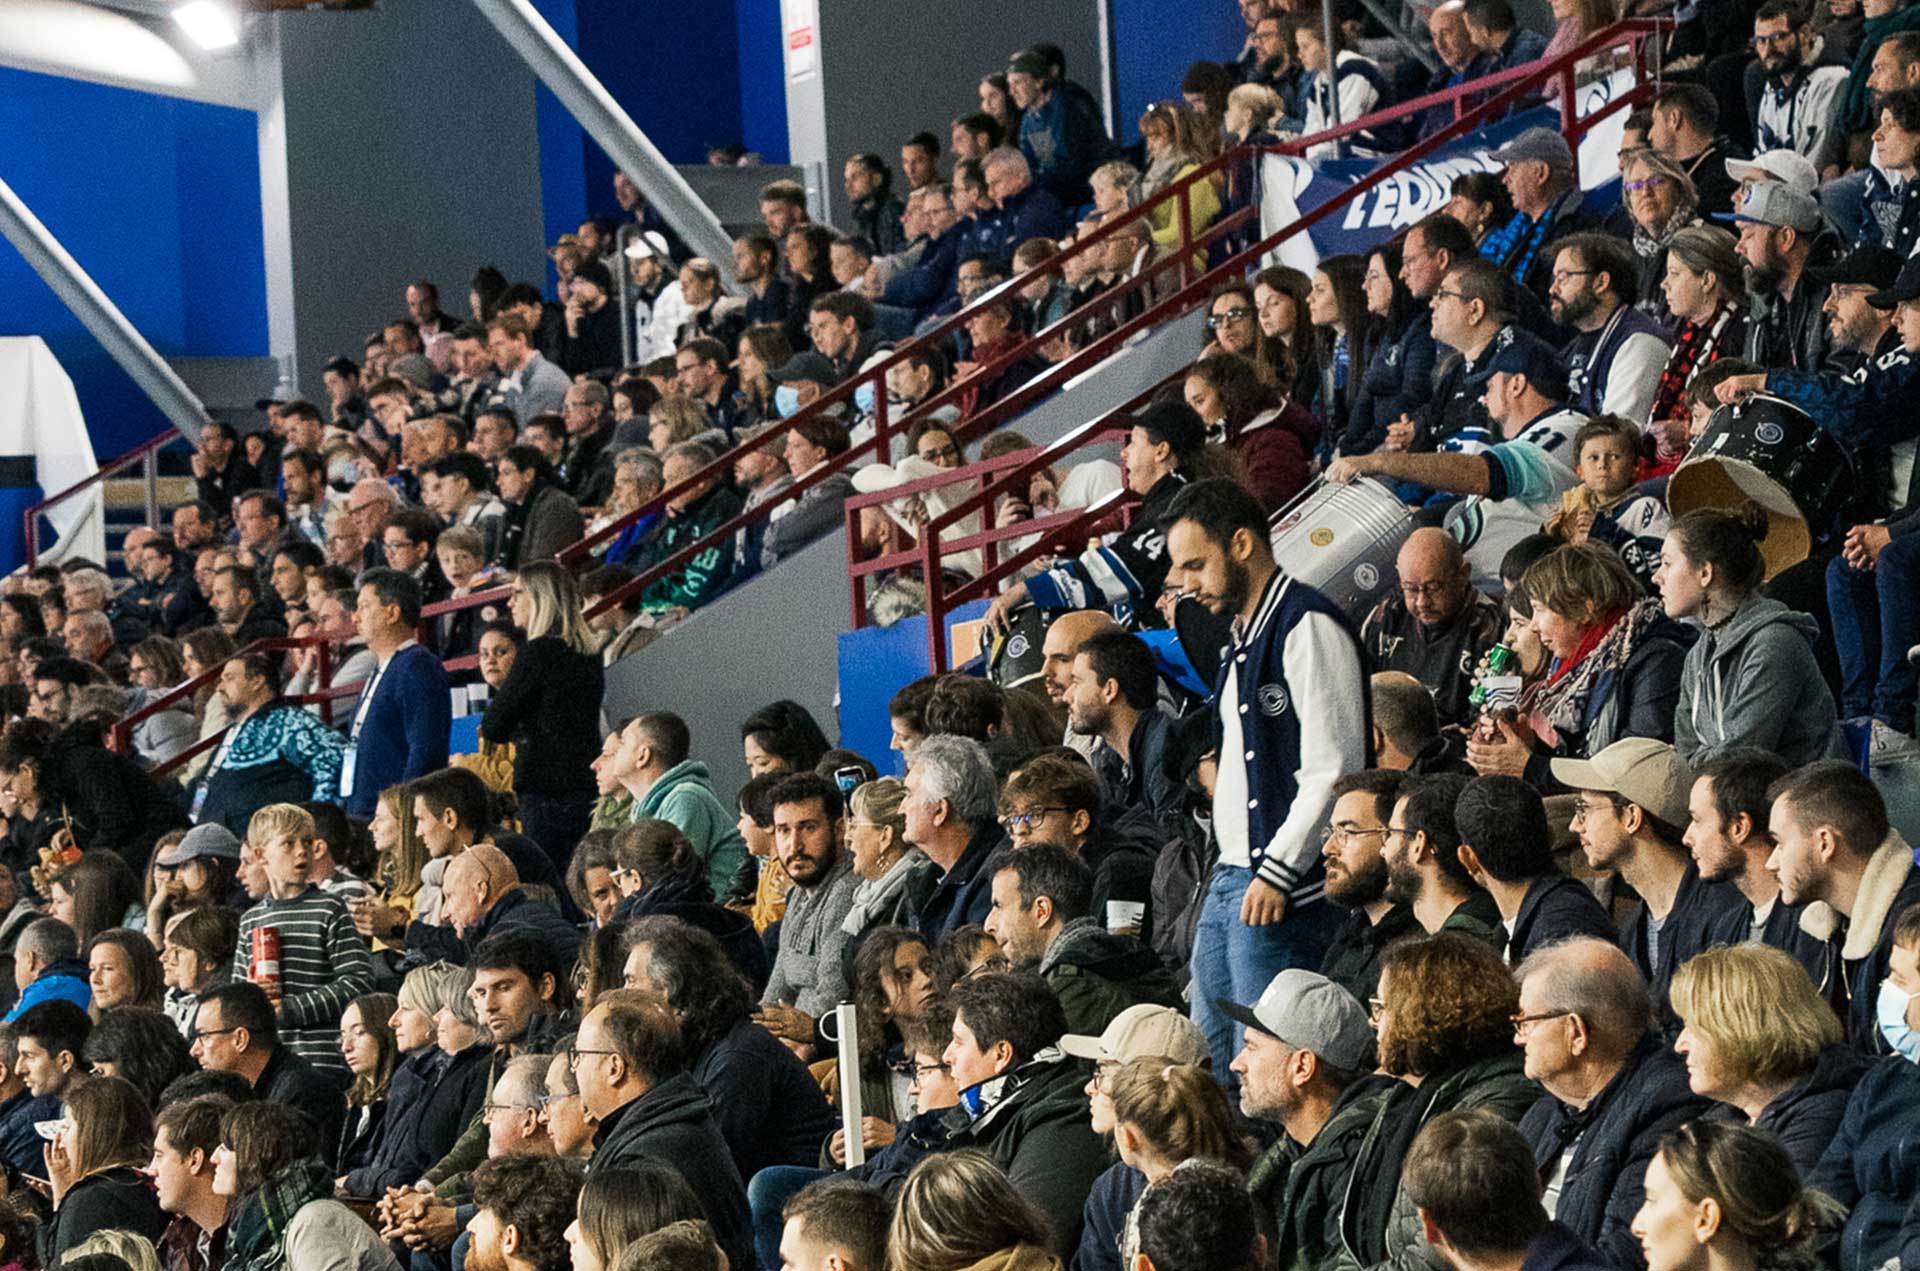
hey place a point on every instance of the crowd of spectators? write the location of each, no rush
(1551, 911)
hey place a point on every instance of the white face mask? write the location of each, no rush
(1890, 1012)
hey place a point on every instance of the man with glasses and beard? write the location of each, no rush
(1796, 103)
(1358, 878)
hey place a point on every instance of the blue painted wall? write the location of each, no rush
(1155, 43)
(563, 144)
(763, 79)
(159, 200)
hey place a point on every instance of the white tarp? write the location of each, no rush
(40, 416)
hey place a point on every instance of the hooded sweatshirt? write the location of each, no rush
(684, 795)
(1753, 681)
(1096, 975)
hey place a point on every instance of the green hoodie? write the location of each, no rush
(684, 795)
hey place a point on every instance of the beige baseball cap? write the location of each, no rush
(1639, 769)
(1142, 1032)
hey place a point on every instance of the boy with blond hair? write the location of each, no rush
(323, 961)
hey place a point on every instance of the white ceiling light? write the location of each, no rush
(209, 23)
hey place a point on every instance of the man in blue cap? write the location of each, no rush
(1513, 486)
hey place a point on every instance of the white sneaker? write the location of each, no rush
(1887, 745)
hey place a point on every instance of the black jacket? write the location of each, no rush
(1612, 1140)
(110, 800)
(258, 623)
(291, 1080)
(549, 707)
(119, 1199)
(1298, 1189)
(1872, 1167)
(1353, 959)
(1097, 975)
(587, 470)
(1038, 1132)
(1806, 1117)
(1556, 907)
(1782, 930)
(1790, 333)
(361, 1133)
(520, 913)
(672, 1122)
(1700, 913)
(1141, 780)
(767, 1105)
(431, 1100)
(960, 896)
(596, 347)
(1121, 852)
(689, 897)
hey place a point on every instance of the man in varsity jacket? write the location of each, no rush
(1293, 717)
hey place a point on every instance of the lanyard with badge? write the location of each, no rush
(214, 766)
(349, 760)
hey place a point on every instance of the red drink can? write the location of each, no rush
(265, 966)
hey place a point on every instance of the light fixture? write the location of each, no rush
(209, 23)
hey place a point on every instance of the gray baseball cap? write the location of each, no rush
(210, 839)
(1308, 1011)
(1778, 204)
(1537, 145)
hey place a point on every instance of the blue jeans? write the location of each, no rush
(1844, 199)
(1876, 620)
(1234, 961)
(767, 1194)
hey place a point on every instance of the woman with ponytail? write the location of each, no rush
(1165, 1115)
(1751, 679)
(1726, 1197)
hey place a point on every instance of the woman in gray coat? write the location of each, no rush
(1751, 679)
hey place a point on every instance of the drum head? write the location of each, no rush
(1732, 483)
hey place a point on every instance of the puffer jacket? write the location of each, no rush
(1096, 975)
(1612, 1140)
(1398, 381)
(1806, 1116)
(1873, 1168)
(1498, 1083)
(1036, 1129)
(1753, 681)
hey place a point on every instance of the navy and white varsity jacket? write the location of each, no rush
(1295, 679)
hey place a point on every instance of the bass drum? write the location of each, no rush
(1017, 657)
(1343, 540)
(1767, 451)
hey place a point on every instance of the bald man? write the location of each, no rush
(1614, 1088)
(1406, 729)
(1462, 59)
(1436, 626)
(482, 896)
(1064, 637)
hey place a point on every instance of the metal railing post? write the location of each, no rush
(620, 291)
(150, 472)
(594, 108)
(1329, 35)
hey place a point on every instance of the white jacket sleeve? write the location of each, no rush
(1321, 663)
(1634, 377)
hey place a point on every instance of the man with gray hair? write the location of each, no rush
(1615, 1088)
(951, 796)
(1544, 181)
(47, 967)
(691, 516)
(1024, 210)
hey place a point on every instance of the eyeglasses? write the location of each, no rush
(1561, 275)
(948, 451)
(1026, 820)
(1103, 1074)
(927, 1072)
(1523, 1024)
(1376, 1008)
(1583, 809)
(1444, 294)
(199, 1033)
(1644, 183)
(1336, 832)
(574, 1053)
(488, 1109)
(1427, 591)
(1239, 313)
(1778, 37)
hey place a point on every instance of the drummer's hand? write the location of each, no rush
(1734, 387)
(1346, 469)
(1670, 437)
(999, 615)
(1399, 434)
(1864, 544)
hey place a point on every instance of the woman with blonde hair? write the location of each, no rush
(1116, 187)
(104, 1140)
(549, 708)
(439, 1077)
(205, 650)
(1759, 1038)
(399, 896)
(958, 1212)
(136, 1251)
(1727, 1197)
(675, 418)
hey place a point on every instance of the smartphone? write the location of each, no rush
(849, 778)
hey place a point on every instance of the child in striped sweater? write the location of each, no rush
(324, 961)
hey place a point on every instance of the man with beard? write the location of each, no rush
(1727, 835)
(1421, 849)
(1778, 225)
(1435, 626)
(1114, 695)
(1357, 878)
(1306, 1065)
(1615, 359)
(1796, 104)
(524, 1205)
(809, 977)
(1065, 635)
(1293, 718)
(1685, 122)
(1857, 332)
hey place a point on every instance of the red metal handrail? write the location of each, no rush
(1522, 81)
(31, 517)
